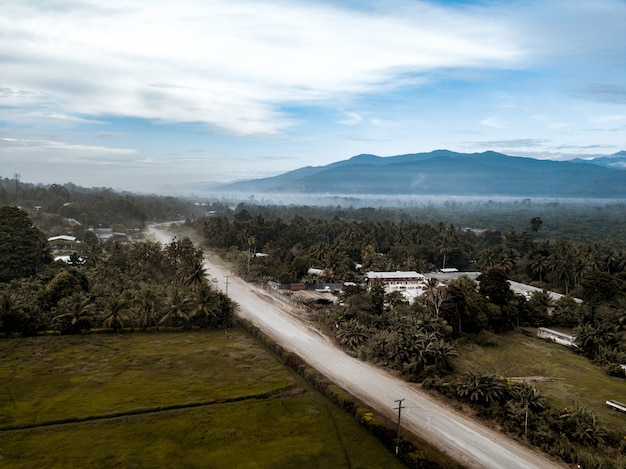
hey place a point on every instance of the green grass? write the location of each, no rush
(51, 378)
(571, 379)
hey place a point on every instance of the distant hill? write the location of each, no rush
(444, 172)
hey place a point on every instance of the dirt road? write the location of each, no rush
(462, 439)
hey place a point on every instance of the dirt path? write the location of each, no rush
(461, 438)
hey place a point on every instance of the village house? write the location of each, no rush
(63, 243)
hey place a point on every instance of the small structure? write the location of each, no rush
(556, 336)
(615, 405)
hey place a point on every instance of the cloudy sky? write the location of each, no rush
(160, 95)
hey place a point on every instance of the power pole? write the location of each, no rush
(227, 277)
(399, 401)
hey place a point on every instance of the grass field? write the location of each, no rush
(202, 399)
(569, 379)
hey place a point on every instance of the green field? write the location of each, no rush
(566, 378)
(201, 399)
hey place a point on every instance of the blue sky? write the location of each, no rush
(161, 96)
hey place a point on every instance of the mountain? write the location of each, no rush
(444, 172)
(617, 160)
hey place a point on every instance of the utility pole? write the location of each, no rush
(399, 401)
(227, 277)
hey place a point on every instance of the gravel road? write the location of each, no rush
(461, 438)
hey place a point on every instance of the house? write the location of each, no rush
(398, 281)
(63, 243)
(556, 336)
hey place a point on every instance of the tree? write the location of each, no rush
(23, 248)
(146, 303)
(483, 389)
(495, 286)
(192, 274)
(352, 334)
(74, 313)
(176, 309)
(535, 224)
(116, 313)
(583, 426)
(435, 295)
(205, 307)
(12, 312)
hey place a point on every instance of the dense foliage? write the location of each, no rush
(70, 209)
(115, 286)
(23, 248)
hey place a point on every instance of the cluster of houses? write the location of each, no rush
(62, 246)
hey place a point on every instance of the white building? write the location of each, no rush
(398, 281)
(556, 336)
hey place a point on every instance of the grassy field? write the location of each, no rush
(568, 379)
(202, 399)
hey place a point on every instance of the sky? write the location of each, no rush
(169, 97)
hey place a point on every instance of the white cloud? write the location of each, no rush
(609, 119)
(351, 118)
(30, 145)
(495, 122)
(228, 64)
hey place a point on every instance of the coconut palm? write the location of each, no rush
(205, 307)
(116, 313)
(75, 313)
(583, 426)
(176, 308)
(352, 334)
(483, 389)
(146, 303)
(13, 313)
(192, 273)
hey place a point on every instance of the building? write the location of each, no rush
(556, 336)
(398, 281)
(63, 243)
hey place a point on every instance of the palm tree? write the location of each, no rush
(435, 295)
(75, 312)
(206, 305)
(146, 303)
(583, 426)
(177, 308)
(352, 334)
(482, 389)
(12, 312)
(116, 313)
(192, 273)
(538, 264)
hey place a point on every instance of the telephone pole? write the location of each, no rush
(399, 401)
(227, 277)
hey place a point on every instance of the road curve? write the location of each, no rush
(461, 438)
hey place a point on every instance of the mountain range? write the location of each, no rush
(444, 172)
